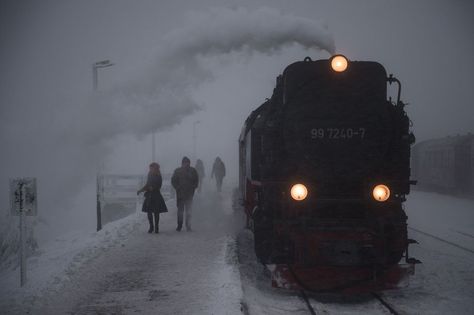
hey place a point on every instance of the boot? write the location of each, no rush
(150, 221)
(157, 221)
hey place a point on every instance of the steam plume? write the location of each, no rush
(64, 153)
(160, 98)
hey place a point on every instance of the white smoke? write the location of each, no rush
(220, 31)
(64, 152)
(161, 97)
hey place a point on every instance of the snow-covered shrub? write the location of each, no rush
(10, 239)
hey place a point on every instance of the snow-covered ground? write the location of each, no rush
(50, 268)
(123, 269)
(213, 270)
(444, 282)
(448, 217)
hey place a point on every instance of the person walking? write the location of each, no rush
(218, 171)
(185, 180)
(201, 173)
(154, 204)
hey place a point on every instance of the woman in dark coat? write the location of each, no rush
(154, 202)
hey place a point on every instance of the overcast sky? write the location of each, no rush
(47, 109)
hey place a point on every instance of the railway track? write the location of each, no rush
(385, 304)
(305, 298)
(443, 240)
(463, 233)
(377, 296)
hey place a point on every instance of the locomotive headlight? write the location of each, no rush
(381, 193)
(299, 192)
(339, 63)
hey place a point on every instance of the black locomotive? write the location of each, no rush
(445, 165)
(324, 170)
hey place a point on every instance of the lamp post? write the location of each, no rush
(153, 150)
(98, 65)
(95, 84)
(195, 140)
(95, 75)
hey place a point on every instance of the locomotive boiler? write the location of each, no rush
(324, 171)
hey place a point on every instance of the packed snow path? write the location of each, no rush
(167, 273)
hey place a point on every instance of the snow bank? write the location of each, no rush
(51, 267)
(10, 240)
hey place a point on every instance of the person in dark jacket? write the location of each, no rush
(154, 203)
(185, 180)
(201, 173)
(218, 171)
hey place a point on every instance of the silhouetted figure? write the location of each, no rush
(154, 204)
(185, 180)
(201, 173)
(218, 171)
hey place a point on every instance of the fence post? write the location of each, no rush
(22, 237)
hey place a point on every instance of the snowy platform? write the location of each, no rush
(125, 270)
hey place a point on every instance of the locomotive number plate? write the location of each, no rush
(337, 133)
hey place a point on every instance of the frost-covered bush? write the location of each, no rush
(10, 239)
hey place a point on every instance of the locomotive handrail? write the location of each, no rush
(392, 79)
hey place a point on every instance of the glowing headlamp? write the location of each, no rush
(339, 63)
(381, 193)
(299, 192)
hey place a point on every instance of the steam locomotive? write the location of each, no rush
(324, 169)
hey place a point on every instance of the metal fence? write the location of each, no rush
(117, 195)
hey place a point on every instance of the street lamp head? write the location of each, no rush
(103, 64)
(99, 65)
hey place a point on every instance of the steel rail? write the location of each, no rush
(443, 240)
(385, 304)
(308, 303)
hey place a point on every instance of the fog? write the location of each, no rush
(195, 69)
